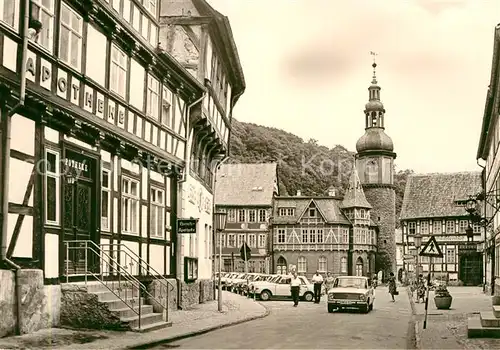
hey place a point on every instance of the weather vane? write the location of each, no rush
(374, 54)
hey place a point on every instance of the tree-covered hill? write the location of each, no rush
(304, 166)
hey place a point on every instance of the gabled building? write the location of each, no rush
(433, 205)
(201, 40)
(326, 234)
(488, 151)
(246, 192)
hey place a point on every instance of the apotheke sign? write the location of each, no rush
(186, 225)
(69, 88)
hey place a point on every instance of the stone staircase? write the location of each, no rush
(487, 325)
(150, 320)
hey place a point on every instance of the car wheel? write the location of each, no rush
(330, 308)
(265, 295)
(365, 308)
(308, 296)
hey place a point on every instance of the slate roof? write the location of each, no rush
(246, 184)
(354, 196)
(329, 207)
(434, 195)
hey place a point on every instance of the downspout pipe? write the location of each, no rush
(6, 169)
(183, 179)
(485, 259)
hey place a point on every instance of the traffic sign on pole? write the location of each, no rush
(245, 252)
(431, 249)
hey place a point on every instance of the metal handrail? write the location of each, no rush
(140, 262)
(121, 272)
(129, 278)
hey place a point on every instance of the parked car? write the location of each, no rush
(227, 279)
(234, 279)
(258, 277)
(279, 286)
(351, 292)
(240, 286)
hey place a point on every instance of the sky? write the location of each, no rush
(307, 67)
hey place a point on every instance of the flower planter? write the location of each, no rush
(495, 300)
(443, 303)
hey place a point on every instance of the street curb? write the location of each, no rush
(417, 335)
(416, 322)
(146, 345)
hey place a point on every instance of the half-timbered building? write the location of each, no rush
(433, 205)
(201, 40)
(488, 151)
(325, 234)
(246, 193)
(95, 152)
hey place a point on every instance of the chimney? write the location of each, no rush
(299, 193)
(332, 192)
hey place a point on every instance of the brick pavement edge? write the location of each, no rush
(145, 345)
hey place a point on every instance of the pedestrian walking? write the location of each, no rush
(317, 280)
(392, 286)
(294, 288)
(329, 280)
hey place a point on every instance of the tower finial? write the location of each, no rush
(374, 65)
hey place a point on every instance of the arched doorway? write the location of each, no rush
(281, 266)
(359, 267)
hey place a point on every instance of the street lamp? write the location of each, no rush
(220, 226)
(417, 241)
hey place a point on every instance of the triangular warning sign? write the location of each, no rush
(431, 249)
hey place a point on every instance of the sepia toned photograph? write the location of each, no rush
(249, 174)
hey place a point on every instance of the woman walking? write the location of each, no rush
(392, 286)
(329, 282)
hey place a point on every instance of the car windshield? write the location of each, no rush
(350, 283)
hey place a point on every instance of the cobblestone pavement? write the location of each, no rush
(310, 326)
(447, 329)
(201, 317)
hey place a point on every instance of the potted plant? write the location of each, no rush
(442, 298)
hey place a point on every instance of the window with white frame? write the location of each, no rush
(231, 215)
(241, 240)
(43, 10)
(320, 236)
(412, 228)
(252, 215)
(231, 241)
(450, 227)
(281, 235)
(150, 5)
(462, 226)
(301, 264)
(343, 265)
(252, 241)
(157, 213)
(130, 205)
(262, 215)
(105, 200)
(424, 227)
(345, 236)
(153, 98)
(136, 18)
(476, 227)
(305, 236)
(437, 227)
(262, 240)
(312, 236)
(70, 41)
(52, 187)
(322, 264)
(9, 12)
(241, 215)
(166, 107)
(450, 255)
(119, 66)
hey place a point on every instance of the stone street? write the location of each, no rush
(310, 326)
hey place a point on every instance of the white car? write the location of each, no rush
(351, 292)
(279, 286)
(235, 278)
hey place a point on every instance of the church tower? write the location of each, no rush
(375, 163)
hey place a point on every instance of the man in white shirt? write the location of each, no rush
(317, 280)
(295, 288)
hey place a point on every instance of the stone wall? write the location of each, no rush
(383, 200)
(80, 309)
(158, 290)
(40, 305)
(193, 293)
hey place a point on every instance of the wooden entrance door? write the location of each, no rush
(80, 214)
(471, 269)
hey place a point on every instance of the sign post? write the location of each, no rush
(432, 250)
(245, 255)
